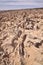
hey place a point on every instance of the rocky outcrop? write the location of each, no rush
(21, 37)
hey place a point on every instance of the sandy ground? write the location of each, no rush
(21, 37)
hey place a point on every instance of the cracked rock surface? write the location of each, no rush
(21, 37)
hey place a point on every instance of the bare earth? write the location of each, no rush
(21, 37)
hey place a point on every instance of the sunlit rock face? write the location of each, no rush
(21, 37)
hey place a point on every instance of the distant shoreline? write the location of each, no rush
(20, 9)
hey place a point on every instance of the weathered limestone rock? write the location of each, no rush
(21, 37)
